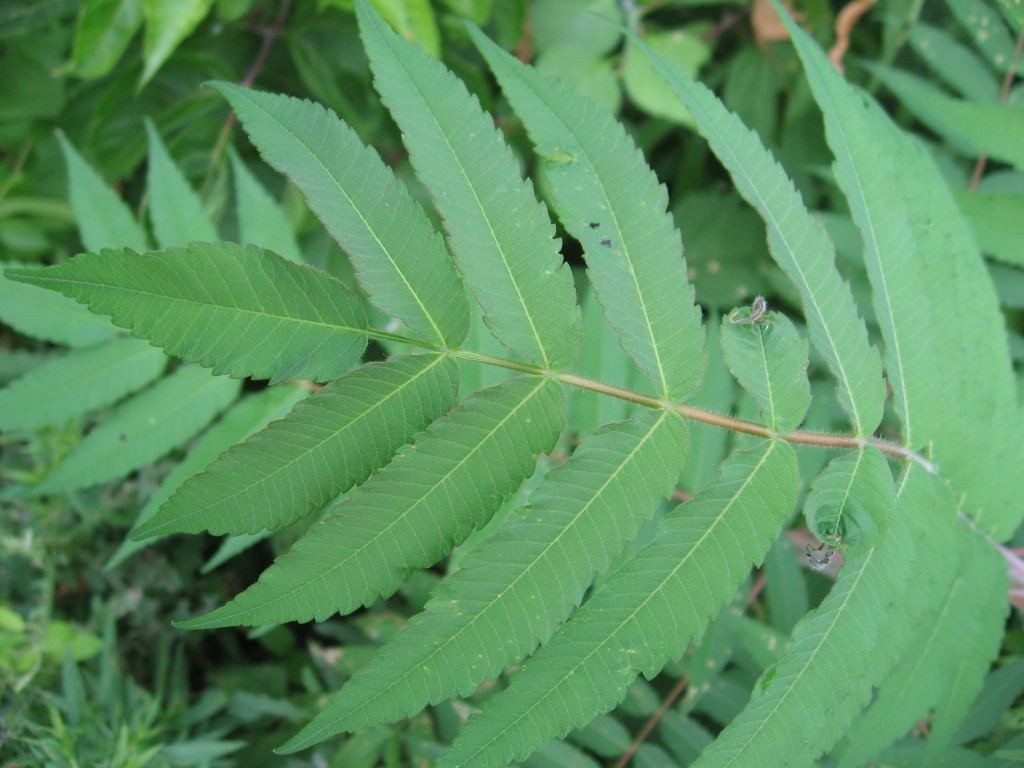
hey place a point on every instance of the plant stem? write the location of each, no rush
(797, 436)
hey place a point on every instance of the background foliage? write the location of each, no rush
(110, 140)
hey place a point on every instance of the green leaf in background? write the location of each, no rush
(769, 359)
(410, 514)
(175, 210)
(644, 614)
(986, 30)
(49, 316)
(580, 22)
(239, 309)
(244, 418)
(104, 221)
(976, 128)
(852, 502)
(646, 88)
(997, 219)
(79, 382)
(143, 429)
(328, 443)
(1013, 12)
(500, 235)
(798, 243)
(102, 34)
(260, 219)
(570, 533)
(167, 25)
(955, 63)
(633, 250)
(413, 20)
(401, 262)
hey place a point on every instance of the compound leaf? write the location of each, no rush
(935, 352)
(644, 614)
(798, 243)
(520, 584)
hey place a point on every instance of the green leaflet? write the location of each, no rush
(644, 614)
(609, 199)
(401, 261)
(239, 309)
(500, 235)
(144, 428)
(954, 62)
(260, 219)
(852, 502)
(977, 602)
(935, 670)
(244, 418)
(410, 514)
(936, 353)
(769, 359)
(799, 245)
(580, 517)
(986, 30)
(104, 30)
(848, 644)
(176, 211)
(167, 25)
(976, 128)
(49, 316)
(104, 221)
(997, 219)
(333, 440)
(79, 382)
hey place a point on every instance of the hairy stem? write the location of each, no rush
(797, 436)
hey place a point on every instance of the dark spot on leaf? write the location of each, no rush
(594, 225)
(122, 437)
(607, 243)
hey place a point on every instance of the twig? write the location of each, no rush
(1011, 71)
(845, 22)
(270, 35)
(654, 720)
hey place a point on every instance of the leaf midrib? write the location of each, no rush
(55, 281)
